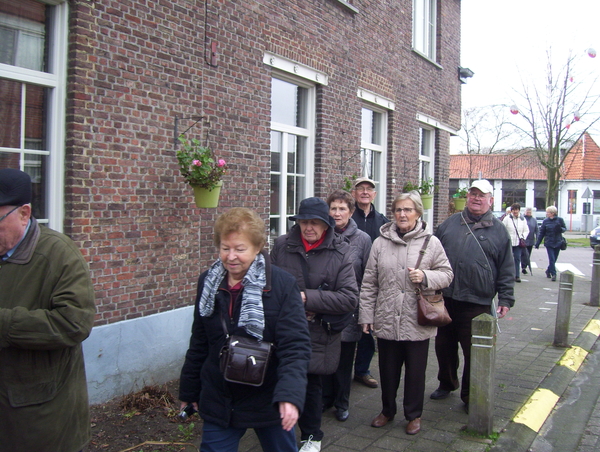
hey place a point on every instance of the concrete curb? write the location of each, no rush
(521, 432)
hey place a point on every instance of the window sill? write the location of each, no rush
(346, 4)
(422, 55)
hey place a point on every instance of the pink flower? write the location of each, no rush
(197, 163)
(221, 162)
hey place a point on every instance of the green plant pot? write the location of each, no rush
(460, 203)
(207, 198)
(427, 201)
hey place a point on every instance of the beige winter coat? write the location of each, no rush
(388, 299)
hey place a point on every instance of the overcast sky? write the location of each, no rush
(506, 41)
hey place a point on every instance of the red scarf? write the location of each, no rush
(308, 246)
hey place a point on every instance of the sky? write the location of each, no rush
(505, 42)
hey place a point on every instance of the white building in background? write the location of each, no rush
(520, 177)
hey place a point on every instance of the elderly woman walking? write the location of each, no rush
(322, 263)
(551, 233)
(388, 306)
(243, 293)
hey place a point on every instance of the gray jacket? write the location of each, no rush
(482, 261)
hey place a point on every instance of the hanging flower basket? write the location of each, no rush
(460, 203)
(206, 198)
(427, 201)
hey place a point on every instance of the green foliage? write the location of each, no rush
(198, 165)
(461, 192)
(426, 187)
(349, 183)
(187, 432)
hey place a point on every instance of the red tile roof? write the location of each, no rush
(496, 166)
(583, 161)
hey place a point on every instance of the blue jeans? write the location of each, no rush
(517, 257)
(552, 258)
(364, 354)
(219, 439)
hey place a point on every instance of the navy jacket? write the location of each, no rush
(242, 406)
(551, 232)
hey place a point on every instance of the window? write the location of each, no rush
(292, 150)
(426, 163)
(372, 151)
(424, 27)
(596, 205)
(32, 91)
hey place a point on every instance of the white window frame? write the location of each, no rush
(430, 161)
(425, 28)
(54, 80)
(290, 131)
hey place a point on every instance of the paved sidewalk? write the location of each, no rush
(526, 361)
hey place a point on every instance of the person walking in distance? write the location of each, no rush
(480, 253)
(370, 221)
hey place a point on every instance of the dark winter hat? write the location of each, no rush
(314, 208)
(15, 187)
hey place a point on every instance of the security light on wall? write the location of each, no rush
(464, 73)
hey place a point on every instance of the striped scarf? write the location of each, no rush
(252, 316)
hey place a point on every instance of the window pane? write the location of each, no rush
(301, 151)
(34, 117)
(426, 142)
(275, 189)
(367, 126)
(10, 114)
(276, 151)
(35, 166)
(23, 25)
(10, 160)
(291, 155)
(288, 103)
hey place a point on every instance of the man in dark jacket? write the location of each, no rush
(370, 221)
(480, 252)
(322, 263)
(46, 310)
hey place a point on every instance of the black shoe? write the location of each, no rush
(341, 415)
(439, 394)
(518, 279)
(548, 275)
(466, 408)
(553, 277)
(524, 271)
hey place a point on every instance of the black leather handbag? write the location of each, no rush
(244, 359)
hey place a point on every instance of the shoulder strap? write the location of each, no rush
(422, 251)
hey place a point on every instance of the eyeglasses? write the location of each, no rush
(406, 210)
(7, 214)
(365, 189)
(478, 195)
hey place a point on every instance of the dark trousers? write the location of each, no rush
(523, 262)
(364, 354)
(446, 345)
(552, 258)
(219, 439)
(336, 387)
(310, 419)
(392, 356)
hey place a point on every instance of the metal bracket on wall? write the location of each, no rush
(196, 120)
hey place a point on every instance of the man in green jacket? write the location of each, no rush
(46, 310)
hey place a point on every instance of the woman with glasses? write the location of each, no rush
(388, 306)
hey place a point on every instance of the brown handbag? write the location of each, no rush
(431, 310)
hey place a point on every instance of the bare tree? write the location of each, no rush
(486, 130)
(547, 113)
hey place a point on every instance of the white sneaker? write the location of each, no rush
(310, 445)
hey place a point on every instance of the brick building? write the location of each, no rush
(295, 95)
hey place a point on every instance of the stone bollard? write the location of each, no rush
(483, 370)
(563, 313)
(595, 292)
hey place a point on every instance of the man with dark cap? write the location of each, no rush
(368, 220)
(480, 253)
(46, 310)
(322, 263)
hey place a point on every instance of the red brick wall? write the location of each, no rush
(135, 65)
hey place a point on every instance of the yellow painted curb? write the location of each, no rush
(593, 327)
(573, 358)
(537, 409)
